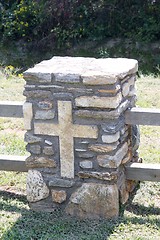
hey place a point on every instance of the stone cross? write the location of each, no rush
(66, 131)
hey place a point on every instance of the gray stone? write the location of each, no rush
(48, 142)
(36, 187)
(27, 86)
(45, 105)
(85, 155)
(40, 162)
(59, 182)
(37, 94)
(44, 114)
(37, 76)
(34, 148)
(135, 137)
(103, 148)
(48, 150)
(113, 114)
(86, 164)
(111, 138)
(79, 90)
(94, 201)
(113, 126)
(29, 138)
(108, 161)
(107, 176)
(67, 77)
(132, 92)
(62, 95)
(125, 89)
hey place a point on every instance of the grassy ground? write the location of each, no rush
(139, 220)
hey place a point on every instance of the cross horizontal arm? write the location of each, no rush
(46, 129)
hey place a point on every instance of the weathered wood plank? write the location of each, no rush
(13, 163)
(11, 109)
(143, 116)
(143, 172)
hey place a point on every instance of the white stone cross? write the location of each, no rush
(66, 131)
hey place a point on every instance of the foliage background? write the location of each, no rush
(31, 30)
(67, 21)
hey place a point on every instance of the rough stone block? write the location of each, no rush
(103, 148)
(86, 164)
(58, 196)
(37, 76)
(36, 187)
(105, 176)
(114, 161)
(36, 94)
(125, 89)
(48, 150)
(28, 115)
(67, 77)
(98, 102)
(44, 115)
(40, 162)
(94, 201)
(30, 138)
(34, 148)
(58, 182)
(45, 105)
(111, 138)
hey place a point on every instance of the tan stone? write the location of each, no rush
(110, 91)
(36, 187)
(125, 89)
(28, 115)
(59, 196)
(99, 102)
(66, 131)
(103, 148)
(114, 161)
(39, 162)
(94, 201)
(128, 157)
(112, 114)
(92, 71)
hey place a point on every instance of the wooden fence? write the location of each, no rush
(134, 116)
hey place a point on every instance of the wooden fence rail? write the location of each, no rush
(134, 116)
(142, 116)
(13, 163)
(11, 109)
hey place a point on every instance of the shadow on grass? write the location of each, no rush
(30, 225)
(142, 210)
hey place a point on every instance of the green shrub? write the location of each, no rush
(63, 22)
(19, 19)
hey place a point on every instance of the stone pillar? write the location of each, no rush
(76, 134)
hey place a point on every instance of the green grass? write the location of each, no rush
(139, 219)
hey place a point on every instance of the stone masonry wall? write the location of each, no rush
(76, 134)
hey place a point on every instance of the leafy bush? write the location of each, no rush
(19, 19)
(63, 22)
